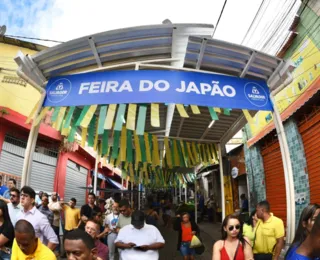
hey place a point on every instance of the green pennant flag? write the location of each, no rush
(182, 162)
(116, 142)
(129, 146)
(213, 114)
(141, 119)
(91, 128)
(82, 115)
(74, 127)
(185, 148)
(120, 117)
(142, 148)
(102, 118)
(227, 111)
(55, 114)
(69, 117)
(105, 142)
(150, 144)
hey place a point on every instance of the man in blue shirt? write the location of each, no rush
(3, 188)
(6, 195)
(245, 203)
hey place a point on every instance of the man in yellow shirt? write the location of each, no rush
(27, 246)
(269, 236)
(71, 215)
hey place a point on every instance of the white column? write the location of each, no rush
(223, 199)
(31, 144)
(288, 173)
(180, 191)
(95, 180)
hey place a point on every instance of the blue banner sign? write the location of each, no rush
(157, 86)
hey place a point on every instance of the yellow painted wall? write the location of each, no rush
(16, 97)
(307, 61)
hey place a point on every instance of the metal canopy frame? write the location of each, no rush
(187, 47)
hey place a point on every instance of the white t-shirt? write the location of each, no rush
(146, 236)
(111, 220)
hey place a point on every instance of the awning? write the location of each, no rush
(115, 184)
(299, 102)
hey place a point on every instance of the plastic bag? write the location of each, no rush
(195, 242)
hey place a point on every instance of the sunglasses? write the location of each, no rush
(13, 195)
(237, 227)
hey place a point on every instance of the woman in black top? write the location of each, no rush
(6, 232)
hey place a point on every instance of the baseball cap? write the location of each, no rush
(137, 218)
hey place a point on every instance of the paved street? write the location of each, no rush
(209, 234)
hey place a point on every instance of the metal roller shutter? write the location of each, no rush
(76, 177)
(11, 159)
(43, 172)
(310, 133)
(275, 183)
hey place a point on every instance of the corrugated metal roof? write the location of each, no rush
(178, 46)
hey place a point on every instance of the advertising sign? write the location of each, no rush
(154, 86)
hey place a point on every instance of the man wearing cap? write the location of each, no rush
(139, 240)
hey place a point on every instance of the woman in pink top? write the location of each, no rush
(233, 245)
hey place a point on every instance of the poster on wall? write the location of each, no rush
(306, 60)
(300, 198)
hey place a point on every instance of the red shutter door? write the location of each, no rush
(275, 183)
(310, 133)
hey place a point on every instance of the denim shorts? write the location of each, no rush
(186, 250)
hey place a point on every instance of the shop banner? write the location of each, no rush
(157, 86)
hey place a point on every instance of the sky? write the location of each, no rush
(64, 20)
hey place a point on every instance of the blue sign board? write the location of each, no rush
(157, 86)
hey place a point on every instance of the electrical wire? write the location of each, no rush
(255, 17)
(31, 38)
(215, 28)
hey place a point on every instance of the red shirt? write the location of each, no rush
(186, 233)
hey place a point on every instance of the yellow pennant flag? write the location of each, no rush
(182, 111)
(84, 133)
(42, 114)
(247, 116)
(195, 109)
(65, 131)
(194, 151)
(168, 152)
(217, 109)
(192, 160)
(155, 152)
(110, 116)
(32, 113)
(145, 170)
(155, 115)
(131, 117)
(95, 144)
(131, 173)
(88, 116)
(123, 145)
(148, 154)
(61, 114)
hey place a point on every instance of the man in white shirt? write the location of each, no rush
(139, 240)
(39, 221)
(14, 206)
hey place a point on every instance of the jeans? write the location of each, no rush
(4, 256)
(57, 232)
(112, 248)
(186, 250)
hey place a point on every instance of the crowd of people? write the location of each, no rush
(30, 229)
